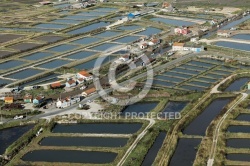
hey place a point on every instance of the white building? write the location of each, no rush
(154, 42)
(70, 83)
(85, 75)
(177, 46)
(124, 58)
(63, 103)
(143, 46)
(80, 80)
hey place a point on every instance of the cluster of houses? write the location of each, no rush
(81, 77)
(26, 99)
(177, 46)
(183, 30)
(66, 102)
(145, 44)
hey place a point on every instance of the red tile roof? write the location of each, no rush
(27, 97)
(8, 98)
(84, 73)
(178, 44)
(56, 84)
(71, 82)
(89, 91)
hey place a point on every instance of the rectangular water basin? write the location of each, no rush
(53, 64)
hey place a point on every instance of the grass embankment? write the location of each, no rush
(222, 149)
(138, 154)
(21, 142)
(34, 145)
(206, 144)
(189, 116)
(12, 113)
(231, 80)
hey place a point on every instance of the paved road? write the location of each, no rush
(95, 96)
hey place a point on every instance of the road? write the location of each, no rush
(217, 130)
(140, 136)
(96, 95)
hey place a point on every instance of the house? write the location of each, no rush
(224, 33)
(85, 75)
(8, 100)
(63, 103)
(70, 83)
(177, 46)
(193, 47)
(27, 98)
(80, 80)
(38, 100)
(74, 100)
(143, 45)
(133, 15)
(213, 22)
(124, 58)
(88, 92)
(154, 42)
(182, 30)
(55, 85)
(167, 6)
